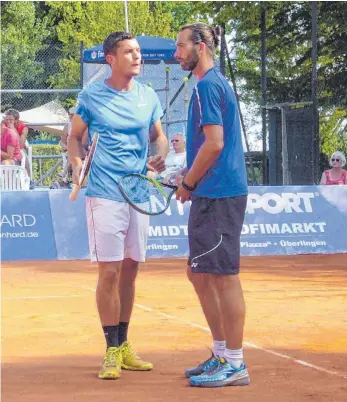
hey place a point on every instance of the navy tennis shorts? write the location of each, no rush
(214, 230)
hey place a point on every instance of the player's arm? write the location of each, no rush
(23, 137)
(158, 140)
(207, 155)
(210, 103)
(159, 147)
(74, 144)
(85, 142)
(64, 135)
(5, 155)
(10, 151)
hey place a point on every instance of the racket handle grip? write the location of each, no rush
(74, 193)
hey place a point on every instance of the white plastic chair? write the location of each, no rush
(13, 178)
(29, 149)
(24, 157)
(25, 162)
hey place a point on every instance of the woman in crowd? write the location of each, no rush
(10, 145)
(336, 175)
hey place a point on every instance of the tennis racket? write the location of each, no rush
(85, 168)
(146, 195)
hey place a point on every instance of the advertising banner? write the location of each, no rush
(295, 220)
(279, 221)
(168, 233)
(26, 226)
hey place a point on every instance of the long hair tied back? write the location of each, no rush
(201, 32)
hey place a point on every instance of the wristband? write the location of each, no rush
(188, 188)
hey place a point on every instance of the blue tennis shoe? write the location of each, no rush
(222, 375)
(201, 368)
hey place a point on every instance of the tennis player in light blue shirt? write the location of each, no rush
(126, 114)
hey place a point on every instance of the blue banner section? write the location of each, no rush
(295, 220)
(168, 233)
(69, 223)
(26, 227)
(279, 221)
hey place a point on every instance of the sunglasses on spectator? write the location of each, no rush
(175, 140)
(335, 160)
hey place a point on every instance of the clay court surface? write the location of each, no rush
(295, 335)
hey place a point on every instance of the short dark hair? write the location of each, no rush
(201, 32)
(12, 112)
(112, 41)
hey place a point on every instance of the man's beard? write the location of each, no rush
(191, 63)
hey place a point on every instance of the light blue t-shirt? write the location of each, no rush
(214, 102)
(123, 121)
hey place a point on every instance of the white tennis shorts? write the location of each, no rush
(116, 231)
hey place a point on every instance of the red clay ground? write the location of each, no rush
(52, 344)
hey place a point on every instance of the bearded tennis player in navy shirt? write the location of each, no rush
(216, 182)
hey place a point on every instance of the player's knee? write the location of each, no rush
(109, 272)
(128, 278)
(109, 278)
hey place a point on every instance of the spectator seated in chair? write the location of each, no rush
(12, 121)
(175, 160)
(10, 146)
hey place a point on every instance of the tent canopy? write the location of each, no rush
(41, 118)
(153, 49)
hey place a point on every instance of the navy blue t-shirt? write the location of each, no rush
(213, 102)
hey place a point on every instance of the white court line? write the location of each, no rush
(248, 344)
(43, 297)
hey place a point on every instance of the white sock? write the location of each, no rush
(219, 348)
(234, 357)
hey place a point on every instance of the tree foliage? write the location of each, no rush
(41, 47)
(289, 49)
(92, 21)
(22, 35)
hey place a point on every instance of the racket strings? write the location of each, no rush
(147, 195)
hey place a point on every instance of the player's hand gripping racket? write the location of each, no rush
(146, 195)
(85, 168)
